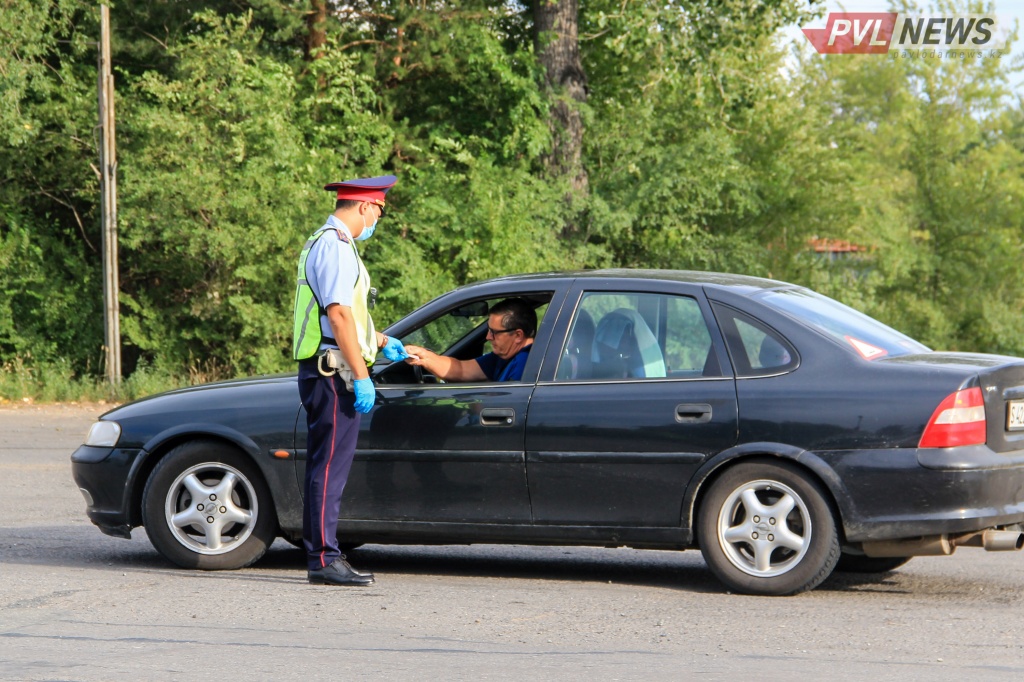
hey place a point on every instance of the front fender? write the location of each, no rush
(182, 432)
(156, 446)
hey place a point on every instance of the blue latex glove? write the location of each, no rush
(366, 394)
(394, 350)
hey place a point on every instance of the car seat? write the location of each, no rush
(625, 347)
(772, 354)
(577, 359)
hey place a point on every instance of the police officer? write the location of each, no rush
(335, 342)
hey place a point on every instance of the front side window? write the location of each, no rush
(468, 321)
(624, 335)
(443, 332)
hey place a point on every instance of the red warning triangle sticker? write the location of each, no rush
(866, 350)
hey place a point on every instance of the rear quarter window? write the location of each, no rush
(755, 348)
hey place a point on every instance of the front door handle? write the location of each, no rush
(498, 416)
(693, 413)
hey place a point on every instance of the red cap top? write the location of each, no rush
(364, 189)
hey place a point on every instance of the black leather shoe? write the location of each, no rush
(339, 573)
(355, 570)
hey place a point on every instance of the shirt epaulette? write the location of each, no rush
(341, 235)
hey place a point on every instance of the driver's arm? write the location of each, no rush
(444, 367)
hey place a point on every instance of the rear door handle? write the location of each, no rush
(498, 416)
(693, 413)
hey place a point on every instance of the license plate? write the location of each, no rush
(1015, 415)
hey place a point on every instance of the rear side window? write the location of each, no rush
(625, 335)
(755, 348)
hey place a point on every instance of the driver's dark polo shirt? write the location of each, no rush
(497, 369)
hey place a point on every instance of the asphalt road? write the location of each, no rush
(77, 605)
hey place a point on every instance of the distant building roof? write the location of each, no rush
(826, 245)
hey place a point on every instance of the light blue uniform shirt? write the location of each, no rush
(332, 269)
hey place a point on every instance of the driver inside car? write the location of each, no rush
(511, 326)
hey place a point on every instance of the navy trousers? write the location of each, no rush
(333, 431)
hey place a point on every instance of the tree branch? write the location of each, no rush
(78, 219)
(155, 39)
(359, 42)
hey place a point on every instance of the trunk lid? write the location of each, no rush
(1001, 379)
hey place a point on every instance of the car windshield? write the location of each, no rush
(866, 336)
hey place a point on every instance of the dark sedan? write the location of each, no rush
(777, 430)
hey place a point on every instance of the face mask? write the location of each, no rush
(367, 231)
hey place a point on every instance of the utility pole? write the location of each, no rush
(108, 203)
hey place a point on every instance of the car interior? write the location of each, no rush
(627, 341)
(620, 346)
(633, 338)
(459, 332)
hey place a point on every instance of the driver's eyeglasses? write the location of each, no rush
(495, 332)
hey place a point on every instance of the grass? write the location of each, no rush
(58, 382)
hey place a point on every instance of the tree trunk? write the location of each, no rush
(556, 37)
(316, 34)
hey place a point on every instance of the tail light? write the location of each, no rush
(958, 420)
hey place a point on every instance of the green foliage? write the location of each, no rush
(707, 145)
(48, 221)
(693, 137)
(935, 190)
(215, 187)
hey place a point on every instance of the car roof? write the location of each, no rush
(743, 284)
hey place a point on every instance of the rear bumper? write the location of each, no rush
(904, 493)
(102, 475)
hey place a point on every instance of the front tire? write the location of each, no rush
(344, 547)
(206, 506)
(766, 528)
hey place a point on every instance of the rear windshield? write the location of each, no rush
(868, 337)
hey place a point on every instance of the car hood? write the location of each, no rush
(203, 393)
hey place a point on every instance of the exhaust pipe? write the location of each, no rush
(932, 545)
(1002, 540)
(943, 545)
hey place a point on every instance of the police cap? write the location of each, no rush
(364, 189)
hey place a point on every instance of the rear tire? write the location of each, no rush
(206, 506)
(766, 528)
(858, 563)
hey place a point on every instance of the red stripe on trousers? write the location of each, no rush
(327, 468)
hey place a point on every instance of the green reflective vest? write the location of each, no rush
(308, 311)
